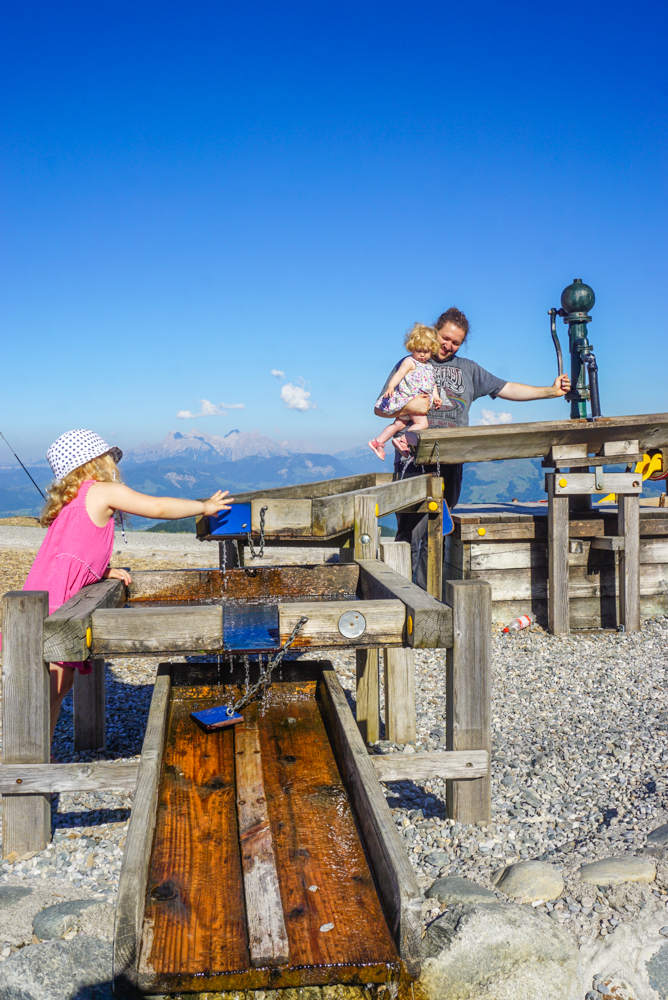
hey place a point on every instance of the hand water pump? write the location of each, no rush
(576, 301)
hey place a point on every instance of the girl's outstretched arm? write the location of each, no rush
(103, 499)
(404, 368)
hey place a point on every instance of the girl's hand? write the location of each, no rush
(437, 402)
(215, 503)
(117, 574)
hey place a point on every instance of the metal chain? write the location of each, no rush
(260, 552)
(264, 680)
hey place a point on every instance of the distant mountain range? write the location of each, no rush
(196, 464)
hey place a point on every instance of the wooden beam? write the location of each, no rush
(89, 703)
(26, 820)
(534, 440)
(65, 630)
(557, 531)
(616, 448)
(334, 514)
(628, 526)
(28, 779)
(127, 631)
(579, 483)
(468, 693)
(609, 543)
(367, 698)
(384, 623)
(435, 538)
(451, 765)
(394, 876)
(321, 488)
(399, 663)
(288, 518)
(329, 581)
(133, 882)
(430, 623)
(267, 936)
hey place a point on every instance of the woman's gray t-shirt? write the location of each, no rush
(459, 382)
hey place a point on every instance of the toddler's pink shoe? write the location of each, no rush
(377, 448)
(400, 444)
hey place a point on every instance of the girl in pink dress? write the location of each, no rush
(79, 513)
(411, 390)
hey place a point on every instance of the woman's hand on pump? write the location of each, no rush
(562, 385)
(215, 502)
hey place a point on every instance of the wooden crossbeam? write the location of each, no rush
(334, 514)
(65, 630)
(384, 623)
(127, 631)
(430, 624)
(28, 779)
(455, 765)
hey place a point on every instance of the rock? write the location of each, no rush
(10, 894)
(657, 841)
(615, 871)
(54, 921)
(453, 889)
(657, 971)
(529, 880)
(439, 859)
(59, 970)
(517, 952)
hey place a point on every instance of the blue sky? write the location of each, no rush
(195, 194)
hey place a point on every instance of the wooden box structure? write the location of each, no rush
(507, 545)
(264, 855)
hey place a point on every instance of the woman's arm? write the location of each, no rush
(407, 365)
(520, 393)
(105, 498)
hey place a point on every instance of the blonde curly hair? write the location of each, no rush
(421, 338)
(102, 470)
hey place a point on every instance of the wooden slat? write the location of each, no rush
(334, 514)
(533, 440)
(194, 920)
(395, 879)
(468, 693)
(431, 620)
(650, 526)
(26, 820)
(321, 488)
(435, 539)
(252, 584)
(157, 630)
(65, 629)
(133, 880)
(89, 703)
(608, 543)
(26, 779)
(289, 518)
(578, 483)
(620, 447)
(629, 563)
(267, 937)
(367, 697)
(385, 623)
(399, 663)
(324, 874)
(456, 765)
(557, 521)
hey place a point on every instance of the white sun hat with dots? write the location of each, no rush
(75, 448)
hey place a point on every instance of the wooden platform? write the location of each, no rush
(348, 905)
(506, 544)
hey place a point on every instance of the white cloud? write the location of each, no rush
(277, 373)
(296, 397)
(209, 410)
(489, 418)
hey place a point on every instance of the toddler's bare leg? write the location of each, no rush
(399, 424)
(420, 422)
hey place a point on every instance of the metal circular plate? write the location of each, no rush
(352, 624)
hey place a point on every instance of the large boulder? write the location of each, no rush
(58, 970)
(498, 951)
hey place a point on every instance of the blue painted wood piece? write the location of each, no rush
(448, 525)
(232, 523)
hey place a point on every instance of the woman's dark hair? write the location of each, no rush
(453, 316)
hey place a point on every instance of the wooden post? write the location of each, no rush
(89, 702)
(557, 531)
(399, 663)
(468, 693)
(628, 525)
(367, 711)
(26, 819)
(435, 539)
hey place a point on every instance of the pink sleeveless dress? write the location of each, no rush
(74, 553)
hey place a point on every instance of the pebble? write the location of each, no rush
(614, 871)
(530, 881)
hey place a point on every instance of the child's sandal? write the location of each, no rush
(378, 449)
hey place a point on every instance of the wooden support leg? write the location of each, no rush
(399, 663)
(368, 699)
(90, 723)
(628, 525)
(435, 540)
(26, 819)
(557, 529)
(468, 693)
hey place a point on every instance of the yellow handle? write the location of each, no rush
(409, 625)
(89, 637)
(376, 510)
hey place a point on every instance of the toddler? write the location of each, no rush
(411, 391)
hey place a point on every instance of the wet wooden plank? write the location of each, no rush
(267, 937)
(250, 583)
(157, 630)
(332, 913)
(195, 919)
(385, 622)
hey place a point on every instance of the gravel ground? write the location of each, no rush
(579, 769)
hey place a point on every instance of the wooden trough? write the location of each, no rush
(263, 856)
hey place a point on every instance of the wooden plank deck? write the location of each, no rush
(194, 934)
